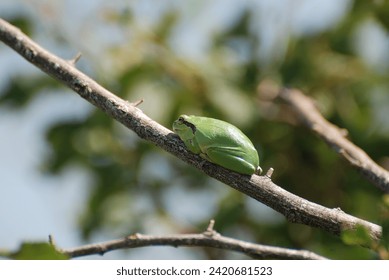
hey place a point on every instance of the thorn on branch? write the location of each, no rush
(74, 60)
(349, 157)
(269, 173)
(136, 103)
(51, 240)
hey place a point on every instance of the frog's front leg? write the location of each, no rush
(193, 146)
(205, 157)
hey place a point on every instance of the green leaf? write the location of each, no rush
(21, 90)
(385, 221)
(382, 13)
(358, 236)
(37, 251)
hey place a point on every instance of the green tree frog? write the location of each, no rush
(218, 142)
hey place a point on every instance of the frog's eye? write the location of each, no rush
(188, 124)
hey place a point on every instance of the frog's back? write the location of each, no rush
(211, 131)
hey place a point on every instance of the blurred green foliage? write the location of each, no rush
(324, 65)
(35, 251)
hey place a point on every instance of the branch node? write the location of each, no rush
(343, 132)
(134, 236)
(352, 160)
(103, 250)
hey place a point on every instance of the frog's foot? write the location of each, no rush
(259, 170)
(204, 161)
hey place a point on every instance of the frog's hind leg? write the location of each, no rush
(231, 159)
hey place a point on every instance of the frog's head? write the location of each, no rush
(184, 128)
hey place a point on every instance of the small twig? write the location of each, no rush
(136, 103)
(211, 225)
(213, 240)
(269, 173)
(74, 60)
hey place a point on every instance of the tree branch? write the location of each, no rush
(209, 238)
(334, 136)
(261, 188)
